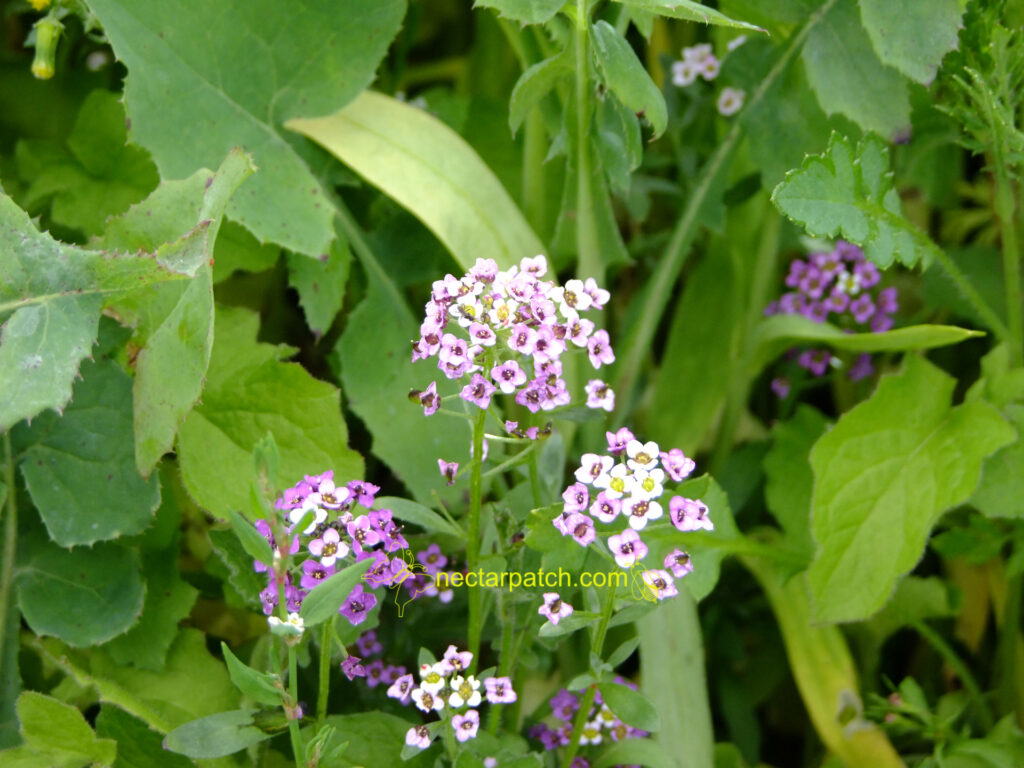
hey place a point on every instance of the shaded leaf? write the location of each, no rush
(626, 77)
(56, 736)
(320, 284)
(258, 686)
(324, 601)
(910, 36)
(526, 11)
(223, 733)
(533, 85)
(137, 745)
(631, 707)
(687, 10)
(411, 512)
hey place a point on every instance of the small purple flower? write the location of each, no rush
(456, 660)
(780, 386)
(576, 498)
(466, 725)
(627, 547)
(813, 283)
(531, 396)
(391, 673)
(679, 563)
(357, 605)
(862, 368)
(523, 339)
(508, 376)
(837, 301)
(660, 583)
(363, 534)
(639, 511)
(314, 573)
(428, 398)
(600, 395)
(862, 308)
(592, 466)
(797, 269)
(564, 705)
(329, 547)
(448, 469)
(401, 688)
(617, 441)
(881, 323)
(600, 350)
(499, 690)
(887, 301)
(676, 465)
(363, 492)
(604, 508)
(868, 274)
(374, 672)
(353, 667)
(418, 736)
(554, 608)
(581, 527)
(368, 645)
(689, 514)
(380, 574)
(815, 360)
(432, 558)
(478, 391)
(482, 334)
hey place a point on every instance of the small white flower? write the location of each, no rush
(617, 483)
(591, 733)
(648, 485)
(427, 701)
(638, 511)
(432, 677)
(848, 282)
(592, 467)
(465, 692)
(730, 101)
(642, 455)
(294, 626)
(684, 73)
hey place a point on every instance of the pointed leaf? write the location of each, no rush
(216, 735)
(320, 284)
(626, 77)
(324, 601)
(526, 11)
(688, 10)
(411, 512)
(631, 707)
(258, 686)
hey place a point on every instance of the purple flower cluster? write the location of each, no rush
(447, 683)
(375, 672)
(626, 485)
(601, 725)
(506, 331)
(839, 286)
(330, 526)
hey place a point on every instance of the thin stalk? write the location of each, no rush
(326, 641)
(504, 660)
(662, 282)
(512, 461)
(535, 489)
(1008, 649)
(588, 698)
(10, 544)
(935, 640)
(473, 535)
(293, 692)
(1005, 204)
(449, 735)
(970, 293)
(586, 238)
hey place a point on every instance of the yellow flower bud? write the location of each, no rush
(39, 5)
(48, 31)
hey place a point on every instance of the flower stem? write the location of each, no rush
(1005, 205)
(586, 236)
(504, 660)
(535, 489)
(473, 535)
(293, 692)
(324, 690)
(943, 648)
(10, 544)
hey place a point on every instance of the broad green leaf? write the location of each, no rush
(137, 745)
(639, 752)
(699, 355)
(334, 52)
(258, 686)
(252, 541)
(217, 735)
(324, 601)
(911, 36)
(626, 77)
(1001, 490)
(83, 596)
(56, 736)
(631, 707)
(248, 393)
(574, 622)
(883, 476)
(173, 323)
(789, 479)
(411, 512)
(376, 739)
(915, 599)
(847, 77)
(848, 192)
(687, 10)
(617, 143)
(429, 169)
(526, 11)
(97, 175)
(533, 85)
(80, 467)
(320, 284)
(55, 292)
(1000, 384)
(674, 678)
(237, 249)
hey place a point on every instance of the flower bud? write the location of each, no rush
(48, 31)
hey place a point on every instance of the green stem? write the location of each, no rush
(1008, 654)
(1005, 204)
(293, 692)
(586, 236)
(661, 286)
(970, 293)
(326, 641)
(504, 661)
(950, 656)
(535, 489)
(10, 544)
(473, 535)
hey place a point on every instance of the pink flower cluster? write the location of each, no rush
(506, 332)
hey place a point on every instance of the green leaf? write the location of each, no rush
(631, 707)
(398, 148)
(80, 467)
(137, 745)
(252, 540)
(626, 77)
(635, 752)
(216, 735)
(97, 175)
(572, 623)
(173, 323)
(789, 479)
(848, 192)
(323, 602)
(848, 78)
(617, 143)
(411, 512)
(334, 53)
(687, 10)
(526, 11)
(376, 739)
(910, 36)
(320, 284)
(248, 393)
(56, 292)
(883, 476)
(57, 736)
(237, 250)
(258, 686)
(1001, 490)
(241, 576)
(915, 599)
(533, 85)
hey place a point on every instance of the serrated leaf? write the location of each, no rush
(847, 77)
(911, 36)
(411, 512)
(320, 284)
(248, 393)
(82, 596)
(533, 85)
(324, 601)
(217, 735)
(883, 476)
(526, 11)
(173, 323)
(57, 736)
(626, 77)
(848, 192)
(237, 249)
(165, 46)
(398, 148)
(631, 707)
(258, 686)
(687, 10)
(80, 467)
